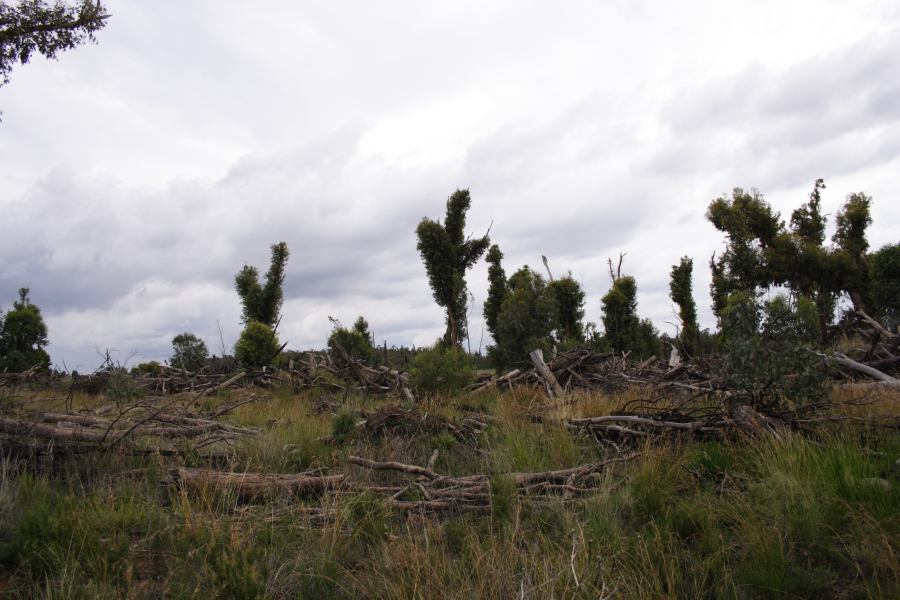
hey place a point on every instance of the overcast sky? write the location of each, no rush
(139, 174)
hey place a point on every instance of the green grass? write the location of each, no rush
(800, 517)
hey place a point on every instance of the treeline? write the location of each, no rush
(524, 311)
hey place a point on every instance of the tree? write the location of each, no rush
(448, 254)
(850, 257)
(620, 320)
(624, 330)
(496, 289)
(23, 336)
(526, 319)
(262, 303)
(36, 26)
(681, 293)
(188, 352)
(568, 298)
(884, 284)
(751, 227)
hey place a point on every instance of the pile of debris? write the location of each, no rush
(150, 425)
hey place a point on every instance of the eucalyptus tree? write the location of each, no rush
(262, 302)
(681, 293)
(496, 289)
(447, 254)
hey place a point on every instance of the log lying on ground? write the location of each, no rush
(251, 485)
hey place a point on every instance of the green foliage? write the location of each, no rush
(767, 358)
(146, 368)
(36, 26)
(257, 345)
(624, 330)
(884, 284)
(262, 303)
(447, 255)
(761, 252)
(356, 341)
(188, 352)
(496, 289)
(23, 336)
(121, 387)
(441, 369)
(236, 571)
(681, 293)
(343, 425)
(568, 297)
(526, 319)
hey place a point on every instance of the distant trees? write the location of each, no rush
(23, 336)
(261, 308)
(447, 254)
(35, 26)
(188, 352)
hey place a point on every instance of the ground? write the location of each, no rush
(811, 512)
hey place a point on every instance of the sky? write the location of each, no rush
(138, 175)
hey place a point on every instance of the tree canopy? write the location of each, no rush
(762, 252)
(681, 293)
(262, 303)
(36, 26)
(448, 254)
(23, 336)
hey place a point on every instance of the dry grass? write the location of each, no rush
(813, 517)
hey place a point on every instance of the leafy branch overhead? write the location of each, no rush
(37, 26)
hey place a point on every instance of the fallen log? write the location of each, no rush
(251, 485)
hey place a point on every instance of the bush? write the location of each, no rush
(441, 369)
(146, 368)
(257, 345)
(356, 341)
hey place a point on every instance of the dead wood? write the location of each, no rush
(251, 485)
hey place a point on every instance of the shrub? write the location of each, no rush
(146, 368)
(441, 369)
(356, 341)
(257, 345)
(121, 387)
(767, 359)
(188, 352)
